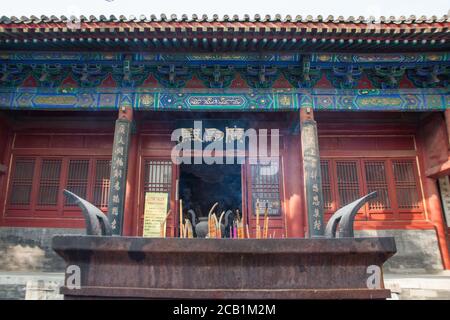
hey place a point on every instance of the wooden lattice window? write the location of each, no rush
(49, 182)
(347, 182)
(37, 183)
(395, 180)
(77, 180)
(266, 187)
(405, 184)
(22, 182)
(158, 176)
(376, 181)
(326, 185)
(101, 183)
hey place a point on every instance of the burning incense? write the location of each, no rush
(239, 226)
(209, 226)
(211, 222)
(266, 222)
(240, 230)
(212, 225)
(189, 232)
(248, 232)
(219, 229)
(258, 231)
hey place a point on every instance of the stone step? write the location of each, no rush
(419, 286)
(45, 286)
(424, 294)
(12, 292)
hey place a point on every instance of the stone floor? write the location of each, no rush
(45, 286)
(30, 285)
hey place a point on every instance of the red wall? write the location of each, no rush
(433, 145)
(434, 133)
(51, 134)
(351, 135)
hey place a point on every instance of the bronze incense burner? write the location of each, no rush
(337, 266)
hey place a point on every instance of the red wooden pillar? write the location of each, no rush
(436, 215)
(294, 195)
(6, 140)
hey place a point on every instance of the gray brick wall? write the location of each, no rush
(417, 250)
(29, 249)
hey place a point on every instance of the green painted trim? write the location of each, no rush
(212, 100)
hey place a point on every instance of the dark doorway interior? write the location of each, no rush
(203, 185)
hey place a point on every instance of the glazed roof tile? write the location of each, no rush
(228, 18)
(227, 33)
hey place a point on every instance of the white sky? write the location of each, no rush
(311, 7)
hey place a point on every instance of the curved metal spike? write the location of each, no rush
(345, 217)
(97, 224)
(330, 229)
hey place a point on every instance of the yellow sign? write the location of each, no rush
(155, 211)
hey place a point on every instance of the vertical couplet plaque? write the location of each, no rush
(118, 176)
(312, 177)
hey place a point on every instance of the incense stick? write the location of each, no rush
(258, 230)
(181, 218)
(266, 223)
(209, 226)
(162, 230)
(220, 223)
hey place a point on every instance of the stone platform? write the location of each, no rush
(129, 267)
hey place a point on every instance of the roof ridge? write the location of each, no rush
(229, 18)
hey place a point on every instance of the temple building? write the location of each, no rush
(358, 105)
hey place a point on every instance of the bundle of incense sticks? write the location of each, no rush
(240, 226)
(188, 230)
(240, 230)
(212, 226)
(212, 222)
(162, 229)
